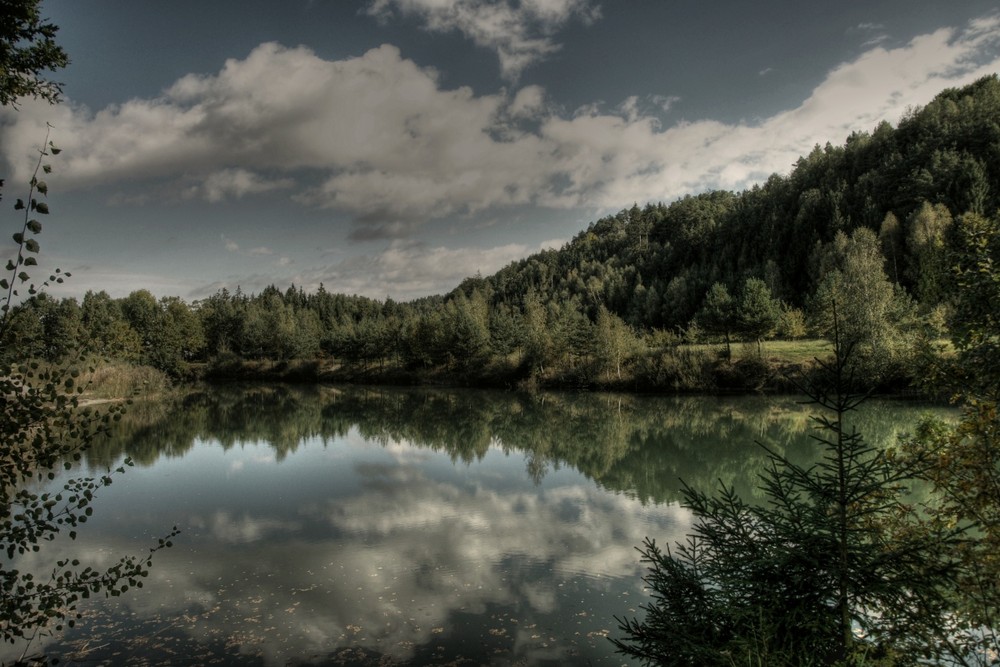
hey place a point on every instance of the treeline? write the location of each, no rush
(459, 334)
(869, 225)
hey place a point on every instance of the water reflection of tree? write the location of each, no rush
(638, 445)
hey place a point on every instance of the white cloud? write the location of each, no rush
(257, 252)
(117, 283)
(665, 102)
(409, 270)
(233, 184)
(380, 139)
(520, 33)
(233, 246)
(403, 269)
(528, 102)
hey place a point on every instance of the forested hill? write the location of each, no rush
(875, 225)
(654, 265)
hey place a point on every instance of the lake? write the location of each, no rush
(359, 526)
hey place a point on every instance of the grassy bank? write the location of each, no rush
(115, 380)
(782, 352)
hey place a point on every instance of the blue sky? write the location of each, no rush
(394, 147)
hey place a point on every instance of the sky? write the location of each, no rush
(391, 148)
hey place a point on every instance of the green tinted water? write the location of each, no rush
(379, 526)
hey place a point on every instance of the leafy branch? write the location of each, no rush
(44, 428)
(27, 244)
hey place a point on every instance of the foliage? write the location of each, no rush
(614, 341)
(27, 50)
(976, 320)
(757, 312)
(890, 235)
(830, 570)
(791, 323)
(875, 318)
(966, 456)
(679, 369)
(43, 428)
(27, 243)
(718, 314)
(927, 248)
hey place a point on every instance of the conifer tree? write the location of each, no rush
(829, 570)
(757, 312)
(718, 314)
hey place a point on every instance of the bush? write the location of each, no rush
(676, 369)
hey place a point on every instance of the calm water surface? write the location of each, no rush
(359, 526)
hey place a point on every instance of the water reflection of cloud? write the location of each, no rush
(256, 456)
(408, 562)
(239, 530)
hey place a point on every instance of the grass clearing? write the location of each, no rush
(802, 351)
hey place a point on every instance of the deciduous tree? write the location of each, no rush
(614, 341)
(927, 230)
(28, 51)
(875, 317)
(966, 456)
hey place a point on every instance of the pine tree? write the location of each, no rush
(757, 312)
(829, 570)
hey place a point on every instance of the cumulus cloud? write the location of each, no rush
(528, 102)
(404, 269)
(233, 184)
(233, 246)
(665, 102)
(409, 269)
(521, 33)
(377, 137)
(256, 252)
